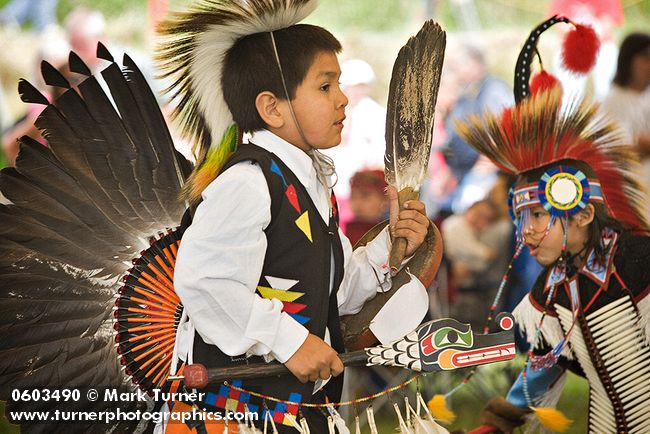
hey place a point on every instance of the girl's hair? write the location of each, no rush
(631, 46)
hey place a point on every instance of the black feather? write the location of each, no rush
(77, 65)
(29, 94)
(81, 209)
(144, 168)
(160, 138)
(526, 55)
(38, 164)
(103, 53)
(52, 76)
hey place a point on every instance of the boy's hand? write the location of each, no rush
(314, 360)
(411, 223)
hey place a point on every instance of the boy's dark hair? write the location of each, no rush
(250, 67)
(633, 45)
(602, 217)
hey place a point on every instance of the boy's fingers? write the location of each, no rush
(415, 205)
(325, 373)
(337, 367)
(415, 216)
(408, 233)
(302, 378)
(413, 223)
(393, 206)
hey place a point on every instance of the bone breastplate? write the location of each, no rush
(609, 345)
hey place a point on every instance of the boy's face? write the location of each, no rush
(479, 216)
(319, 106)
(368, 205)
(547, 250)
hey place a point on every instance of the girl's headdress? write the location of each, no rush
(192, 54)
(542, 131)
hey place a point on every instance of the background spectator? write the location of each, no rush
(628, 101)
(362, 141)
(85, 27)
(41, 13)
(368, 203)
(469, 258)
(440, 182)
(481, 92)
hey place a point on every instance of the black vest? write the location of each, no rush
(300, 248)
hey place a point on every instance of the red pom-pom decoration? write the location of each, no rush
(580, 49)
(543, 81)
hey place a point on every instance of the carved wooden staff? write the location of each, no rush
(409, 118)
(439, 345)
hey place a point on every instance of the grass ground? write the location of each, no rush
(466, 404)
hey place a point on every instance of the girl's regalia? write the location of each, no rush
(592, 320)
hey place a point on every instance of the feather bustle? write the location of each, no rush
(80, 209)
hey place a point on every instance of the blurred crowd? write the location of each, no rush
(465, 194)
(80, 31)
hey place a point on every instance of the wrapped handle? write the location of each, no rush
(398, 250)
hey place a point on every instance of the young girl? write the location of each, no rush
(579, 211)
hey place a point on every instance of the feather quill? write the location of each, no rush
(410, 114)
(411, 103)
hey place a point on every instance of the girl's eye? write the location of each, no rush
(538, 214)
(325, 87)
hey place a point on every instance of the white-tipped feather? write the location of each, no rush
(550, 398)
(304, 425)
(206, 68)
(330, 425)
(426, 424)
(339, 423)
(411, 104)
(294, 423)
(215, 26)
(403, 427)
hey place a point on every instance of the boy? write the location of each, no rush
(474, 244)
(468, 254)
(580, 214)
(368, 203)
(263, 270)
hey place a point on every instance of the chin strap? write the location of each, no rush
(323, 164)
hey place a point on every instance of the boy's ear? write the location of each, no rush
(586, 216)
(266, 104)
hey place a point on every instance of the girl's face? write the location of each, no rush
(641, 69)
(547, 249)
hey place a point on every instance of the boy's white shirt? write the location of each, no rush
(220, 261)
